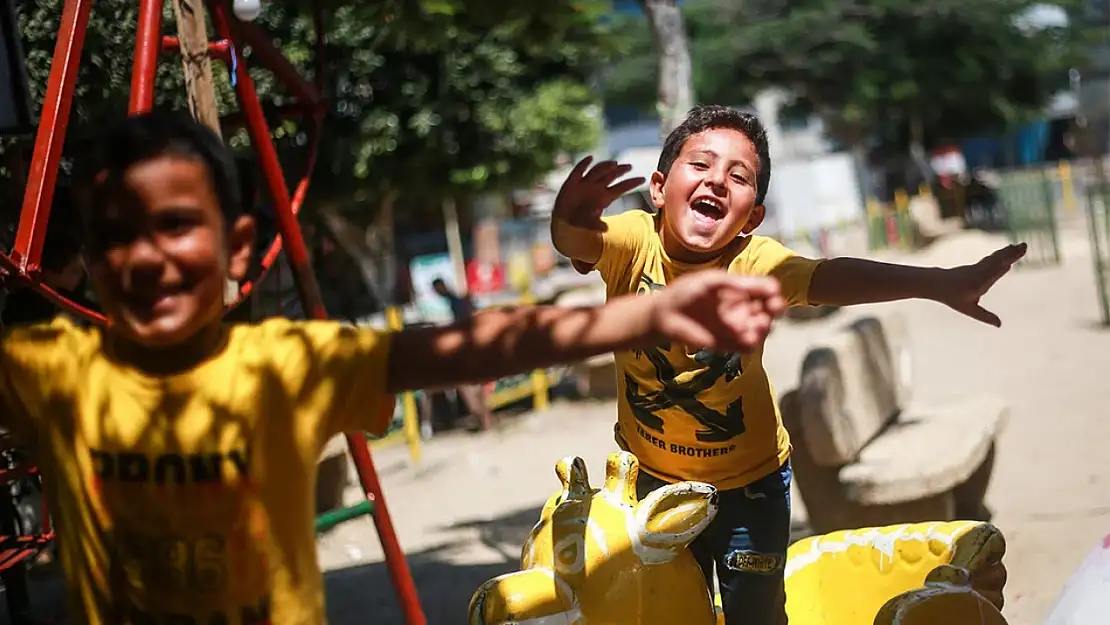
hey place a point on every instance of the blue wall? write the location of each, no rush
(1024, 146)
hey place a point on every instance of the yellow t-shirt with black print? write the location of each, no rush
(189, 498)
(697, 415)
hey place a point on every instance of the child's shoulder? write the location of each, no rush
(634, 220)
(282, 328)
(61, 332)
(758, 246)
(759, 243)
(290, 335)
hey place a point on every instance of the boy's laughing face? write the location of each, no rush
(160, 252)
(708, 197)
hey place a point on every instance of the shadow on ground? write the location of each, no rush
(364, 594)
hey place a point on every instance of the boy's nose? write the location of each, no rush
(715, 180)
(145, 257)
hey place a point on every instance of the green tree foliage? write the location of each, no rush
(427, 101)
(443, 102)
(895, 71)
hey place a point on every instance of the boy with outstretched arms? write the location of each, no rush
(709, 415)
(180, 452)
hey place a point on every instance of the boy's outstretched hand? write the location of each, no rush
(715, 310)
(964, 286)
(586, 194)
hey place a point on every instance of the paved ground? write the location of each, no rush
(463, 512)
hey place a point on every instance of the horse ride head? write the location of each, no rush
(598, 555)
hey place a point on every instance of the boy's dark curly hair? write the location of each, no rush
(710, 117)
(140, 138)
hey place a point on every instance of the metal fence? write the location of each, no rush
(1028, 200)
(1098, 227)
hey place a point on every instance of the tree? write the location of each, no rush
(675, 75)
(890, 72)
(433, 102)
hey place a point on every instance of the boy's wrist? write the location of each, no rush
(933, 284)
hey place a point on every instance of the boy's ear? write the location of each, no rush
(755, 218)
(655, 186)
(240, 247)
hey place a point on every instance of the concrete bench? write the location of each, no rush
(865, 455)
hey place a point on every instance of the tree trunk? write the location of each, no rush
(918, 156)
(676, 80)
(380, 238)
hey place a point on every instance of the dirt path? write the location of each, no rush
(463, 512)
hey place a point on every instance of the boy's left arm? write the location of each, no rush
(848, 281)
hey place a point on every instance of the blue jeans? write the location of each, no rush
(746, 544)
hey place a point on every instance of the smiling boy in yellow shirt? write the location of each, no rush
(691, 413)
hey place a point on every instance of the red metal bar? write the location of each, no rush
(262, 49)
(29, 278)
(394, 556)
(147, 47)
(18, 473)
(216, 49)
(50, 137)
(259, 132)
(297, 254)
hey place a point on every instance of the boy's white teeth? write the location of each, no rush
(707, 206)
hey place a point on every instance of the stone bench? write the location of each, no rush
(865, 455)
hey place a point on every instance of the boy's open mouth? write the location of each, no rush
(707, 209)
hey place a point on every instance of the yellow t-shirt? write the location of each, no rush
(697, 415)
(190, 497)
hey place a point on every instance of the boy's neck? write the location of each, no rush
(174, 359)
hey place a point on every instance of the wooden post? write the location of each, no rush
(200, 92)
(192, 31)
(454, 245)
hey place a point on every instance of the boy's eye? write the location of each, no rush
(700, 164)
(175, 223)
(111, 233)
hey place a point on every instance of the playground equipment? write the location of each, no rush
(233, 35)
(598, 556)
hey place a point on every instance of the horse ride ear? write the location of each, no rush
(621, 471)
(671, 517)
(574, 478)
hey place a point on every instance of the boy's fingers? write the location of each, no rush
(685, 330)
(624, 186)
(600, 171)
(979, 313)
(1009, 254)
(752, 287)
(580, 168)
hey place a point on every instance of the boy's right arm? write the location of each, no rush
(705, 310)
(577, 229)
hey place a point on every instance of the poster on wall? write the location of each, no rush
(423, 271)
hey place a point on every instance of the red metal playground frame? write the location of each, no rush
(233, 35)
